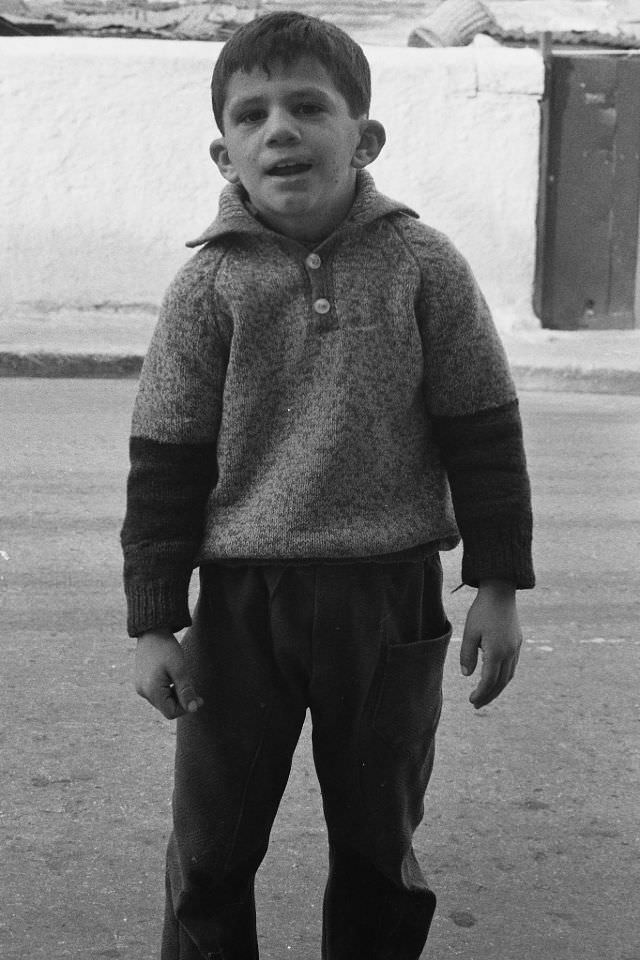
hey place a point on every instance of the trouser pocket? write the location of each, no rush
(409, 702)
(415, 635)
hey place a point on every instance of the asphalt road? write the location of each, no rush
(531, 828)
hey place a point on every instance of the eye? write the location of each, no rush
(251, 116)
(308, 109)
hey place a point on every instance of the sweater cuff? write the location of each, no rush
(495, 554)
(157, 603)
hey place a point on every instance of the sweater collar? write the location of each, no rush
(235, 217)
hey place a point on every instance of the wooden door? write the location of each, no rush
(587, 274)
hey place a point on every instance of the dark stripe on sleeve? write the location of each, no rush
(167, 493)
(483, 454)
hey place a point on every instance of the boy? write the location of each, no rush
(324, 386)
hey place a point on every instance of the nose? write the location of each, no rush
(281, 128)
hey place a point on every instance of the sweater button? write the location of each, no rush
(322, 306)
(313, 261)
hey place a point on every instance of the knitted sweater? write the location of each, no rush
(349, 402)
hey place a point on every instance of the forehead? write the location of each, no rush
(303, 75)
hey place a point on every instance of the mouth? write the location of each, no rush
(288, 168)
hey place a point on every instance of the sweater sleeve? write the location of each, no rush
(483, 455)
(173, 450)
(474, 409)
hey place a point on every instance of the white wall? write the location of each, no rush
(106, 172)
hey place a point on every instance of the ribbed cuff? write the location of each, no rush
(158, 603)
(495, 554)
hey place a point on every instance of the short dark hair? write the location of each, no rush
(285, 38)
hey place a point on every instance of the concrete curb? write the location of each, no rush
(576, 380)
(105, 366)
(71, 365)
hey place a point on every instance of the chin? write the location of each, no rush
(294, 208)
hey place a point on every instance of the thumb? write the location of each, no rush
(469, 651)
(186, 695)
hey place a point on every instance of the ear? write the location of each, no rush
(372, 140)
(220, 156)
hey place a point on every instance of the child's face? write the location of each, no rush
(291, 141)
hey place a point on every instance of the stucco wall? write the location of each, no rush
(105, 166)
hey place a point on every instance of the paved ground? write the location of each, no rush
(531, 830)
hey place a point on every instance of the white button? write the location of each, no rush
(322, 306)
(313, 261)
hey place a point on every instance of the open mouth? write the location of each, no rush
(288, 169)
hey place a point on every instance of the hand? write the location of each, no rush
(492, 626)
(161, 677)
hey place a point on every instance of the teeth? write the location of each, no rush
(294, 165)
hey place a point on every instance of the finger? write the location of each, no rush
(489, 680)
(496, 674)
(169, 706)
(483, 692)
(469, 653)
(163, 698)
(513, 664)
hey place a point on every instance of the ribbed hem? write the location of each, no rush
(495, 554)
(158, 603)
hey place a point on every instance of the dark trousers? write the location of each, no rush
(362, 646)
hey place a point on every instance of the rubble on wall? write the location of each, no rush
(170, 19)
(593, 23)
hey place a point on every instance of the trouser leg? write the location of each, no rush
(233, 759)
(380, 641)
(364, 645)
